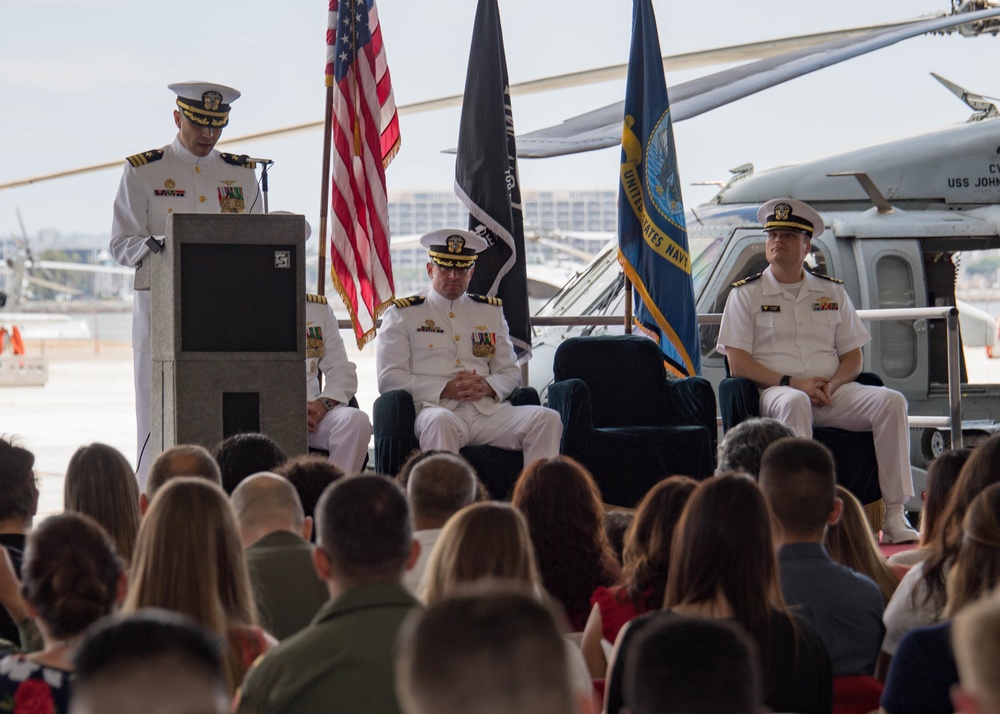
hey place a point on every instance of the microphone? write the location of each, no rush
(249, 159)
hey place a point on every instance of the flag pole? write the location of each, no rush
(324, 200)
(628, 306)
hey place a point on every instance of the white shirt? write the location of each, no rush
(799, 331)
(325, 352)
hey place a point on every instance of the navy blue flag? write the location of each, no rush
(486, 177)
(652, 235)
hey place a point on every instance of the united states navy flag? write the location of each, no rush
(486, 177)
(652, 236)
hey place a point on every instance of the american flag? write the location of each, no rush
(365, 139)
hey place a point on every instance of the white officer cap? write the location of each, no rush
(204, 103)
(790, 215)
(453, 247)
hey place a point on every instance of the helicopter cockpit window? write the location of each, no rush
(751, 261)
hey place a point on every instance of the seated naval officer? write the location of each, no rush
(335, 426)
(453, 353)
(798, 337)
(186, 176)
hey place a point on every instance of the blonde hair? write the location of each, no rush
(850, 542)
(100, 483)
(975, 638)
(487, 540)
(977, 566)
(189, 559)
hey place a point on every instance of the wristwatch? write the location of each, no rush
(328, 404)
(785, 381)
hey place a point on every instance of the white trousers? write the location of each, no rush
(345, 433)
(534, 430)
(855, 407)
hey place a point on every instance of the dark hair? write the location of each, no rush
(565, 515)
(364, 526)
(182, 460)
(124, 640)
(723, 545)
(70, 573)
(245, 454)
(692, 665)
(941, 477)
(797, 476)
(648, 542)
(17, 482)
(743, 445)
(617, 521)
(310, 474)
(977, 566)
(440, 486)
(493, 647)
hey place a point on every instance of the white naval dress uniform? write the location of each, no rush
(344, 431)
(423, 346)
(800, 330)
(178, 182)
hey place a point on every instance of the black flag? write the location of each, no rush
(486, 178)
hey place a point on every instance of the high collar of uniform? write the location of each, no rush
(182, 152)
(437, 298)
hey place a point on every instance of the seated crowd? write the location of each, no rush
(241, 580)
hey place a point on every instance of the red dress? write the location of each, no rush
(617, 608)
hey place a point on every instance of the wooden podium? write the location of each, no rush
(228, 330)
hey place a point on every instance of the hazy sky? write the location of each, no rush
(85, 82)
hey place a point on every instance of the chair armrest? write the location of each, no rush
(692, 401)
(524, 396)
(571, 398)
(739, 400)
(393, 415)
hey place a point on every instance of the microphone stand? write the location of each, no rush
(263, 183)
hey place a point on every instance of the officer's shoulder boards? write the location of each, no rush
(321, 299)
(826, 277)
(235, 160)
(487, 300)
(749, 279)
(407, 301)
(146, 157)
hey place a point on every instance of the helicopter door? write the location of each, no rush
(894, 278)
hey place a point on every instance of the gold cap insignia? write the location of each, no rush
(455, 244)
(211, 100)
(782, 211)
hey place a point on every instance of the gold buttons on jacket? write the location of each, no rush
(197, 169)
(457, 338)
(201, 199)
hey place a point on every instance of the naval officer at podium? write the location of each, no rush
(186, 176)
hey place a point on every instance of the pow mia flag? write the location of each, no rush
(486, 178)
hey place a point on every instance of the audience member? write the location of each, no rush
(152, 661)
(743, 445)
(693, 665)
(562, 505)
(644, 575)
(923, 670)
(244, 454)
(922, 594)
(101, 484)
(365, 543)
(438, 487)
(616, 523)
(71, 577)
(18, 506)
(310, 475)
(189, 559)
(851, 543)
(976, 639)
(416, 456)
(493, 651)
(275, 535)
(722, 565)
(798, 480)
(179, 460)
(489, 542)
(941, 477)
